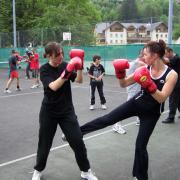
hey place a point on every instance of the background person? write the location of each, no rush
(132, 90)
(173, 61)
(34, 66)
(13, 73)
(96, 73)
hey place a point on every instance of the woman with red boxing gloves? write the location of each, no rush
(57, 108)
(157, 81)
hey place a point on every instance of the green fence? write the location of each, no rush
(108, 53)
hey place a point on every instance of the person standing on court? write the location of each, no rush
(96, 73)
(157, 82)
(13, 61)
(34, 66)
(173, 61)
(57, 108)
(132, 90)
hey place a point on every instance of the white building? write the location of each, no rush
(116, 33)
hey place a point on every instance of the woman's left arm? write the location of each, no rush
(167, 89)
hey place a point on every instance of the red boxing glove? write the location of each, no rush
(120, 66)
(142, 77)
(77, 53)
(74, 64)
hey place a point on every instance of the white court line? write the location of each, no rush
(21, 94)
(65, 145)
(59, 147)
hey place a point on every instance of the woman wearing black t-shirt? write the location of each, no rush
(57, 108)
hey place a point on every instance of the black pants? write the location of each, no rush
(70, 127)
(148, 121)
(99, 86)
(174, 103)
(27, 70)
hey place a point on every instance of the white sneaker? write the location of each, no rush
(34, 86)
(36, 175)
(91, 107)
(104, 106)
(119, 129)
(64, 138)
(137, 122)
(18, 89)
(7, 91)
(88, 175)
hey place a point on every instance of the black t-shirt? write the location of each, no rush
(60, 101)
(12, 63)
(96, 71)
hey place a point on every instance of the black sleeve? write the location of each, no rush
(91, 70)
(73, 76)
(45, 78)
(173, 61)
(103, 70)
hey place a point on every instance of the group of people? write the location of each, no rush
(150, 80)
(32, 59)
(155, 79)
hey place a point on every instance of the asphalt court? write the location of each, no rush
(110, 154)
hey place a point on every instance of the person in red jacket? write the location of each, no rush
(34, 66)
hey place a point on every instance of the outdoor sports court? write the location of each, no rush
(110, 154)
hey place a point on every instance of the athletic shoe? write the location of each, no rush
(135, 178)
(7, 91)
(36, 175)
(18, 89)
(88, 175)
(34, 86)
(91, 107)
(168, 120)
(103, 107)
(118, 128)
(63, 138)
(137, 122)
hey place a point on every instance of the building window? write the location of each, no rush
(116, 35)
(111, 35)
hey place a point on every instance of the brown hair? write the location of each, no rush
(168, 49)
(156, 47)
(96, 57)
(52, 48)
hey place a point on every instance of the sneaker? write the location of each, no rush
(34, 86)
(7, 91)
(88, 175)
(137, 122)
(118, 128)
(63, 138)
(103, 107)
(18, 89)
(168, 120)
(36, 175)
(91, 107)
(135, 178)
